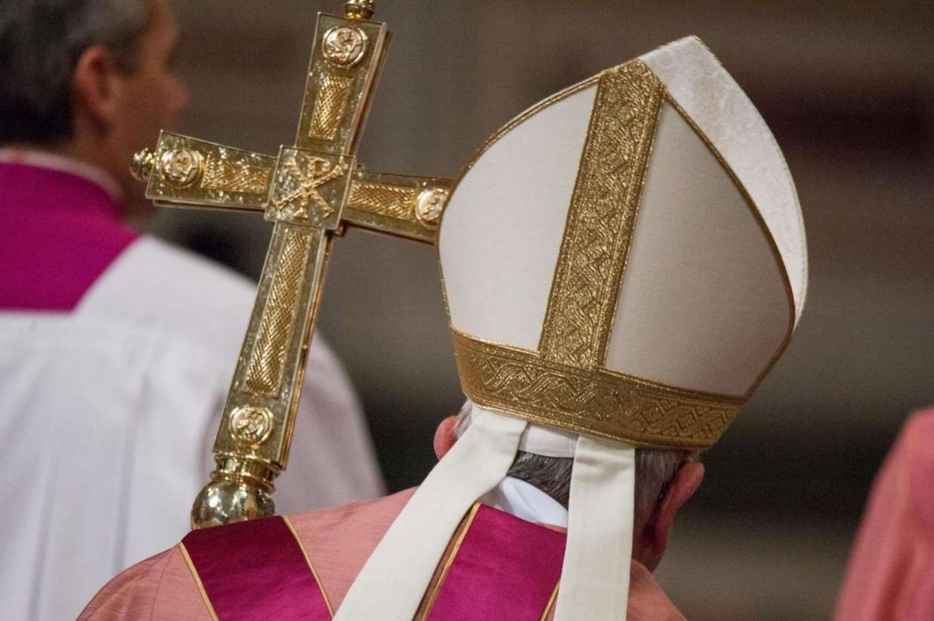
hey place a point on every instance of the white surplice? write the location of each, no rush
(107, 415)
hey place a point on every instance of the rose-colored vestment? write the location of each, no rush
(891, 569)
(338, 542)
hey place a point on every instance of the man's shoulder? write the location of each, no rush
(161, 587)
(365, 520)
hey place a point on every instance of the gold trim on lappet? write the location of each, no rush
(197, 578)
(602, 216)
(311, 567)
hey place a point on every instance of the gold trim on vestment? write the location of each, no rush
(435, 588)
(194, 574)
(596, 402)
(301, 546)
(551, 602)
(602, 216)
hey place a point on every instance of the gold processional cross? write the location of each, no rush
(311, 192)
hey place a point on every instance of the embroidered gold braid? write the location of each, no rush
(333, 93)
(230, 176)
(267, 358)
(595, 402)
(603, 208)
(386, 200)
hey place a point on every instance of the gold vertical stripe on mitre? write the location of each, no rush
(267, 359)
(601, 217)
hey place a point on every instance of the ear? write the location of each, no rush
(94, 87)
(445, 436)
(682, 487)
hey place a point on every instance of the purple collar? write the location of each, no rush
(58, 233)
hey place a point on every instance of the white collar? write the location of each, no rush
(527, 502)
(70, 165)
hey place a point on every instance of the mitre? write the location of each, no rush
(623, 263)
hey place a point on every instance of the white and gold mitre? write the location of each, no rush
(626, 259)
(623, 263)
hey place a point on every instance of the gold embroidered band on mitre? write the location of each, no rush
(596, 402)
(564, 384)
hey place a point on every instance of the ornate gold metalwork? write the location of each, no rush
(386, 200)
(333, 95)
(430, 205)
(268, 356)
(389, 203)
(307, 191)
(359, 9)
(344, 46)
(251, 425)
(235, 177)
(337, 96)
(143, 164)
(592, 259)
(181, 167)
(310, 188)
(598, 402)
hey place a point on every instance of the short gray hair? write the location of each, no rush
(40, 44)
(655, 469)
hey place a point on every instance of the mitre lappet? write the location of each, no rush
(623, 263)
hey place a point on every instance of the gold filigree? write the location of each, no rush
(299, 179)
(267, 359)
(383, 199)
(234, 176)
(597, 402)
(333, 94)
(601, 217)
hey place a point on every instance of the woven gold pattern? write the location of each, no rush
(230, 176)
(333, 94)
(268, 356)
(597, 402)
(387, 200)
(600, 221)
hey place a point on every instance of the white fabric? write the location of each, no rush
(595, 574)
(527, 502)
(503, 225)
(703, 304)
(548, 441)
(391, 585)
(107, 416)
(700, 85)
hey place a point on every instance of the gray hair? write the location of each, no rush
(40, 44)
(655, 470)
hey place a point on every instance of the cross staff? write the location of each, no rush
(311, 192)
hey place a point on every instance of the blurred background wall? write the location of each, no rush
(848, 88)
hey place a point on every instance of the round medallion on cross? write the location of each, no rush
(181, 167)
(344, 46)
(251, 425)
(430, 205)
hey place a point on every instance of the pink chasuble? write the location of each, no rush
(497, 567)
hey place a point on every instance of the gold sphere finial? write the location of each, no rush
(143, 163)
(359, 9)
